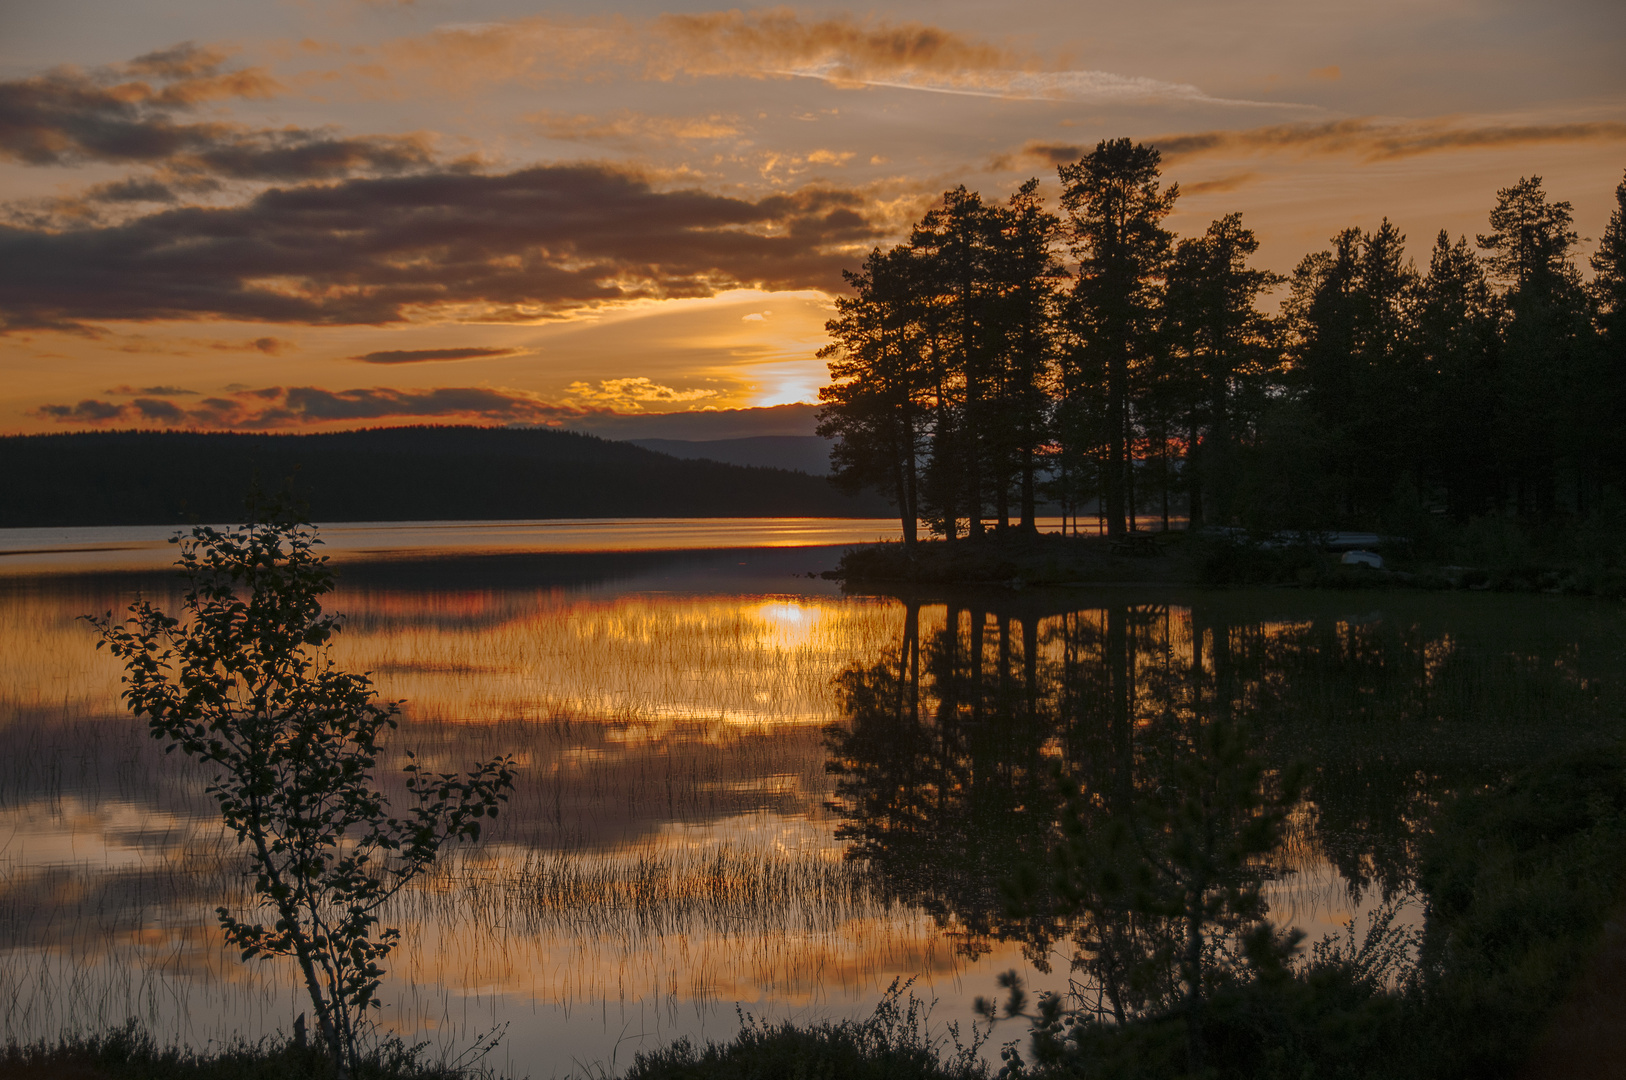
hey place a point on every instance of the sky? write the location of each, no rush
(286, 215)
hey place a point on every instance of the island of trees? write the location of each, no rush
(1008, 354)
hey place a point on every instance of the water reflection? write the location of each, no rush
(963, 740)
(740, 785)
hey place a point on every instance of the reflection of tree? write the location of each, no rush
(943, 768)
(1123, 767)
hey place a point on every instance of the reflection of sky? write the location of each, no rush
(148, 547)
(667, 851)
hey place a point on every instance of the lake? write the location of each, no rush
(739, 787)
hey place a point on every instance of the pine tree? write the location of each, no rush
(1547, 332)
(1228, 349)
(874, 405)
(1115, 209)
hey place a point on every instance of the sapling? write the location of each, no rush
(245, 682)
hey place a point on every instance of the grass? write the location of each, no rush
(894, 1043)
(129, 1053)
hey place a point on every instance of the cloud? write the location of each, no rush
(295, 406)
(628, 127)
(417, 356)
(520, 246)
(630, 395)
(1377, 140)
(1085, 87)
(1372, 140)
(71, 116)
(270, 346)
(88, 411)
(1219, 185)
(150, 391)
(841, 50)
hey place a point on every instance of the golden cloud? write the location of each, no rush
(631, 395)
(628, 126)
(841, 50)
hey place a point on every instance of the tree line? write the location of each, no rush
(1006, 354)
(388, 474)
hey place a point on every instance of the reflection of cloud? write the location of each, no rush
(1373, 140)
(519, 246)
(630, 395)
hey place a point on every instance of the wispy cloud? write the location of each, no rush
(298, 406)
(1366, 138)
(1084, 87)
(841, 50)
(136, 114)
(419, 356)
(632, 128)
(1376, 140)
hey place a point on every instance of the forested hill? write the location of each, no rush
(388, 474)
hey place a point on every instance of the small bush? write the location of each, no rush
(892, 1044)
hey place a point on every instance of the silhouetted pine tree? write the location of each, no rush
(1609, 296)
(876, 407)
(1458, 336)
(1115, 210)
(1223, 354)
(1547, 330)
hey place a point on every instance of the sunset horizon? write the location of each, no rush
(381, 214)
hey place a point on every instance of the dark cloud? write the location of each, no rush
(1219, 184)
(521, 245)
(151, 391)
(415, 356)
(188, 60)
(88, 411)
(153, 409)
(69, 117)
(270, 346)
(1376, 140)
(133, 190)
(294, 406)
(1370, 139)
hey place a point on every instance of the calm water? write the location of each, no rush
(738, 786)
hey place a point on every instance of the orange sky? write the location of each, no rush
(293, 216)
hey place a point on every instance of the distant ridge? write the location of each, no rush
(804, 453)
(388, 474)
(701, 424)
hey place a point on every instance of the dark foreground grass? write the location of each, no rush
(130, 1053)
(894, 1043)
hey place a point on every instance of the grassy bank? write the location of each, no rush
(129, 1053)
(1588, 559)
